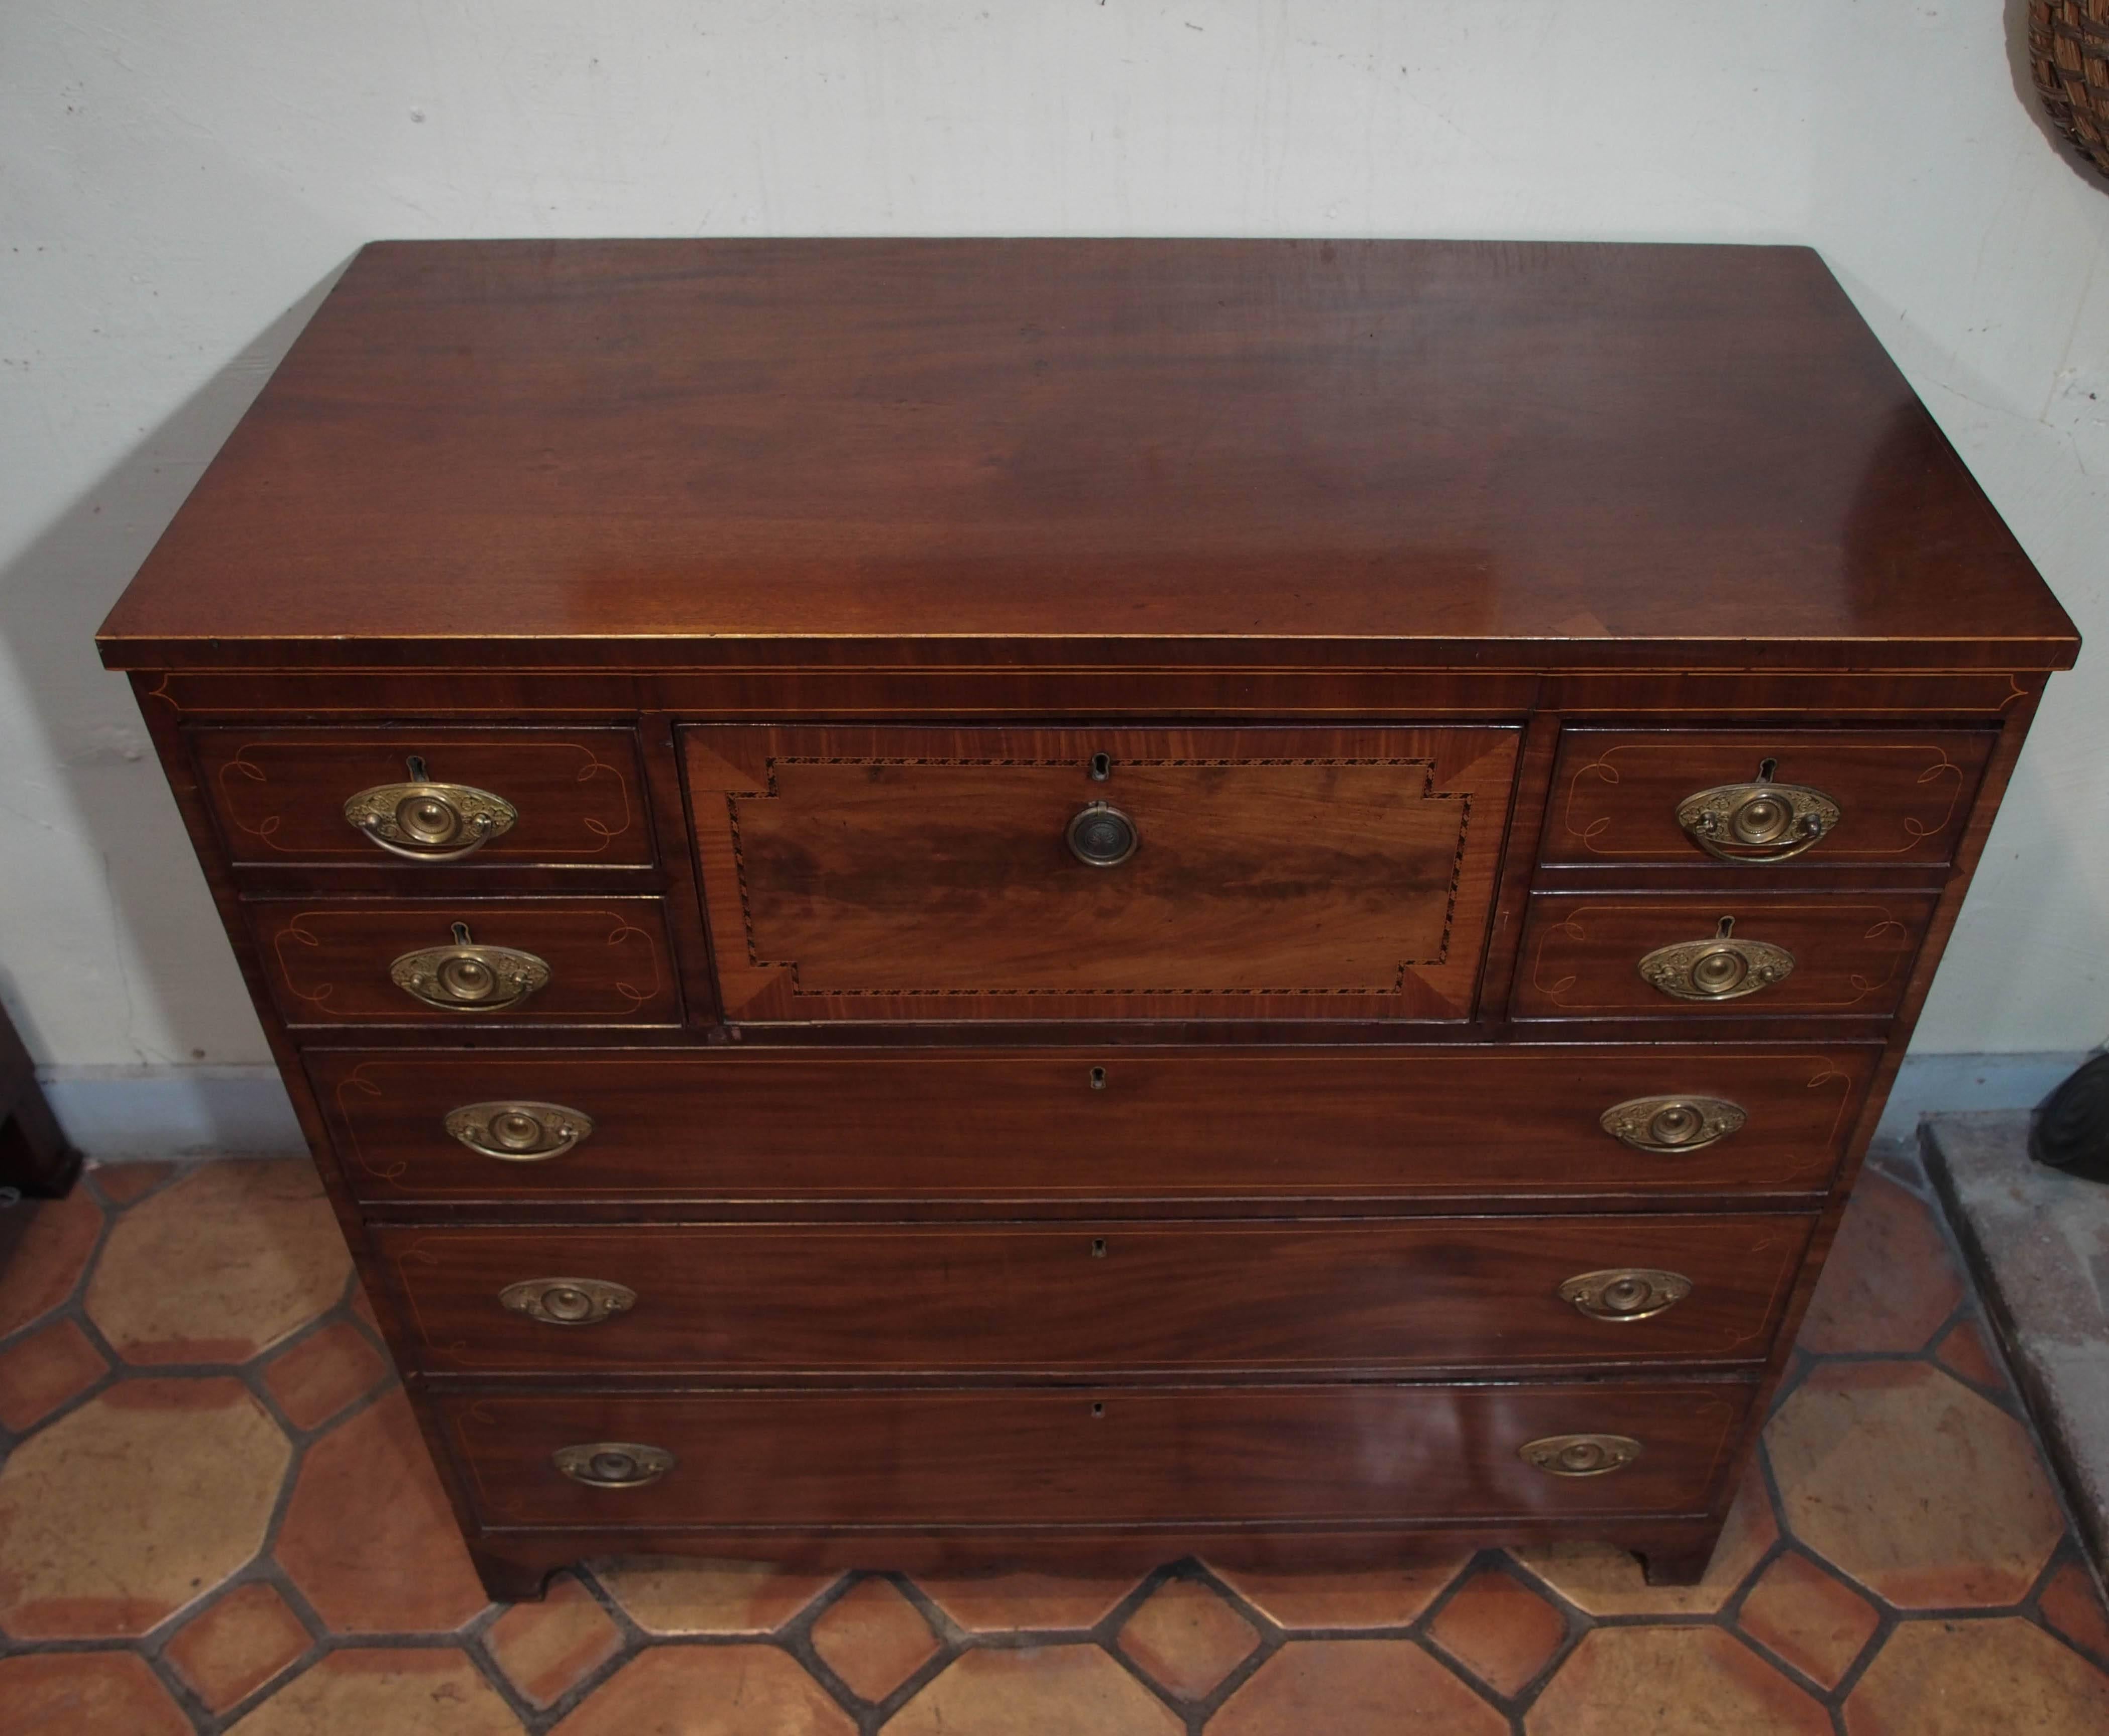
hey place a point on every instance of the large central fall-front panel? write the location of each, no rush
(921, 874)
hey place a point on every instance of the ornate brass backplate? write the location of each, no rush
(429, 822)
(1580, 1455)
(612, 1464)
(568, 1301)
(467, 977)
(1722, 969)
(1625, 1293)
(518, 1132)
(1672, 1123)
(1757, 823)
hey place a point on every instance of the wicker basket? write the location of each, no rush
(2069, 54)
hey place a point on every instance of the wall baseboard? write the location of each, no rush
(121, 1114)
(128, 1115)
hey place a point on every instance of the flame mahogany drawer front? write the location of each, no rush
(466, 799)
(1099, 873)
(1710, 955)
(1081, 1456)
(1071, 1124)
(1079, 1298)
(536, 962)
(1853, 798)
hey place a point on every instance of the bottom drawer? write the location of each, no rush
(1015, 1457)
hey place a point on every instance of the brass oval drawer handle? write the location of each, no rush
(1103, 836)
(1722, 969)
(1672, 1123)
(518, 1132)
(612, 1464)
(1626, 1292)
(422, 821)
(1760, 822)
(1580, 1455)
(467, 977)
(568, 1301)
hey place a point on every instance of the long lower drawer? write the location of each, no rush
(1124, 1124)
(1104, 1457)
(1376, 1295)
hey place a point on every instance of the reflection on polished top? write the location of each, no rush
(1413, 454)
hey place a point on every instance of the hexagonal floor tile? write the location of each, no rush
(1913, 1486)
(1500, 1630)
(873, 1639)
(60, 1693)
(404, 1691)
(1058, 1690)
(1799, 1612)
(1607, 1581)
(1889, 1282)
(38, 1373)
(220, 1266)
(672, 1595)
(1970, 1677)
(737, 1690)
(547, 1649)
(48, 1259)
(123, 1512)
(1344, 1685)
(237, 1645)
(369, 1535)
(1378, 1598)
(1671, 1681)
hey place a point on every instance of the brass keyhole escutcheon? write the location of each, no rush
(425, 821)
(613, 1464)
(518, 1132)
(1763, 822)
(1102, 836)
(1722, 969)
(1672, 1124)
(1580, 1455)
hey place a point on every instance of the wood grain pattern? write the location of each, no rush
(328, 962)
(1097, 1299)
(925, 873)
(658, 453)
(1851, 954)
(1905, 796)
(1265, 1124)
(279, 794)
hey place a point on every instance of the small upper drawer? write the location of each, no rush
(555, 798)
(1844, 798)
(987, 874)
(467, 961)
(1603, 956)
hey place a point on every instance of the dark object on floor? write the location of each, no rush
(2070, 1129)
(2069, 56)
(35, 1156)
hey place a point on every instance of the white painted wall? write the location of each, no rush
(181, 182)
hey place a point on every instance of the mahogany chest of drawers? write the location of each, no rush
(977, 901)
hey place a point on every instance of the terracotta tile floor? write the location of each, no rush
(215, 1515)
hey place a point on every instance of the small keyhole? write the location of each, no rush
(461, 934)
(416, 765)
(1726, 928)
(1102, 768)
(1097, 1410)
(1098, 1247)
(1766, 768)
(1098, 1079)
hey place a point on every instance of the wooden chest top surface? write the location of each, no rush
(657, 453)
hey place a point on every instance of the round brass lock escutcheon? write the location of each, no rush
(1670, 1124)
(428, 818)
(466, 977)
(1762, 819)
(1718, 971)
(1102, 835)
